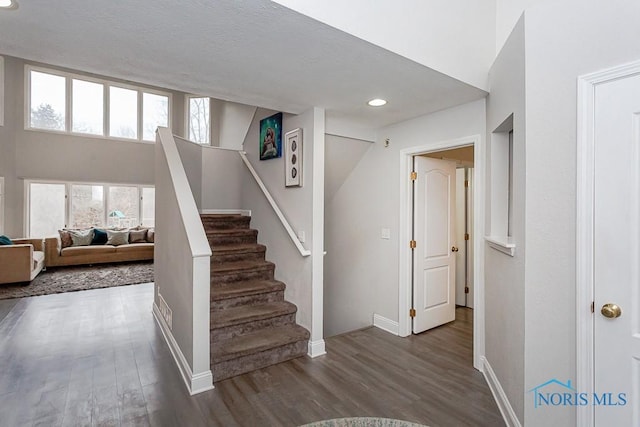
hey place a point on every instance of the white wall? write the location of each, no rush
(296, 203)
(504, 275)
(455, 37)
(563, 41)
(507, 14)
(361, 269)
(222, 177)
(233, 124)
(341, 157)
(32, 154)
(191, 156)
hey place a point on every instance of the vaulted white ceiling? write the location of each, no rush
(255, 52)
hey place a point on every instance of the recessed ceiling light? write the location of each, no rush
(377, 102)
(8, 4)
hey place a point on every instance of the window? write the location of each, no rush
(88, 103)
(47, 208)
(52, 206)
(123, 207)
(65, 102)
(48, 101)
(148, 206)
(155, 110)
(123, 113)
(199, 119)
(87, 206)
(502, 188)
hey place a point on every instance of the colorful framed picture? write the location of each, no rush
(293, 158)
(271, 137)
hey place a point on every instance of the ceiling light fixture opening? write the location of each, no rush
(378, 102)
(8, 4)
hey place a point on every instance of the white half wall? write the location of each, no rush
(455, 37)
(361, 271)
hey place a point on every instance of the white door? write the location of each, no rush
(434, 257)
(617, 252)
(461, 228)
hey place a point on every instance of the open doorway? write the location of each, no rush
(466, 156)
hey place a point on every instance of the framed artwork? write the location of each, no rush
(293, 158)
(271, 137)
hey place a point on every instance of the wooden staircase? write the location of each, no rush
(252, 326)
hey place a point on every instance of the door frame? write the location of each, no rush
(405, 235)
(585, 207)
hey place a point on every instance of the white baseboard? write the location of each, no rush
(385, 324)
(316, 348)
(243, 212)
(499, 395)
(198, 383)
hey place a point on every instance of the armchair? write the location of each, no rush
(22, 261)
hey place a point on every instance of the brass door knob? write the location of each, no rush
(611, 311)
(454, 249)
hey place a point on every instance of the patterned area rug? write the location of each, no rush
(68, 279)
(363, 422)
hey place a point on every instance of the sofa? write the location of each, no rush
(22, 260)
(58, 254)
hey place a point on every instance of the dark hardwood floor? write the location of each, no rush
(97, 358)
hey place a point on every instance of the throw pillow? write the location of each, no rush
(5, 241)
(138, 236)
(81, 237)
(151, 234)
(99, 236)
(65, 238)
(117, 238)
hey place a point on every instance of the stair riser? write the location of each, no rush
(231, 368)
(221, 258)
(263, 273)
(227, 223)
(247, 300)
(219, 239)
(245, 328)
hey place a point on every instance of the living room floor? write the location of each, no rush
(97, 358)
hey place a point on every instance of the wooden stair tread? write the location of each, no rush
(252, 313)
(240, 266)
(246, 288)
(258, 341)
(238, 248)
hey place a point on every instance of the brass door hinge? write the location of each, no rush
(593, 304)
(414, 175)
(466, 183)
(466, 289)
(466, 236)
(412, 312)
(412, 244)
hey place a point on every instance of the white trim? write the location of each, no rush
(197, 383)
(385, 324)
(304, 252)
(404, 282)
(243, 212)
(316, 348)
(504, 245)
(508, 414)
(585, 200)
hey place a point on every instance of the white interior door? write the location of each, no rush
(434, 260)
(616, 252)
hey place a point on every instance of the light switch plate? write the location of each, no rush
(385, 233)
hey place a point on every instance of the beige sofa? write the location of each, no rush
(22, 261)
(56, 256)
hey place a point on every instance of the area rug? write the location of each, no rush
(68, 279)
(363, 422)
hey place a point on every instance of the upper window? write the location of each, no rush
(199, 119)
(65, 102)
